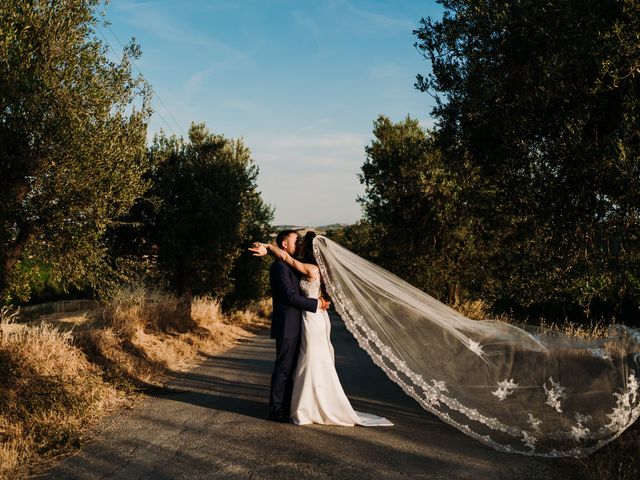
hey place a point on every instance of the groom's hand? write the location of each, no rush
(324, 304)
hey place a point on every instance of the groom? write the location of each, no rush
(288, 303)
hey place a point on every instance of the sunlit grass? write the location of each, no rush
(58, 378)
(48, 390)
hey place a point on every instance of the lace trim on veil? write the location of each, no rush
(433, 393)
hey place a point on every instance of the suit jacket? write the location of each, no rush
(288, 301)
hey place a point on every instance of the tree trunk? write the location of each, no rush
(10, 259)
(185, 294)
(454, 293)
(16, 194)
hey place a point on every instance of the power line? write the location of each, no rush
(155, 93)
(140, 71)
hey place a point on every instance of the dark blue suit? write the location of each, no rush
(288, 301)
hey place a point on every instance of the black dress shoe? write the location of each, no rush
(279, 417)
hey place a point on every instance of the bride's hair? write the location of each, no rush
(307, 256)
(306, 250)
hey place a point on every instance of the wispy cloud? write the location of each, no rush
(147, 16)
(340, 153)
(310, 177)
(197, 81)
(308, 27)
(367, 20)
(326, 19)
(194, 82)
(381, 21)
(387, 71)
(208, 5)
(318, 198)
(242, 104)
(327, 140)
(179, 38)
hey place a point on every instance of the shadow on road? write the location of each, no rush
(211, 423)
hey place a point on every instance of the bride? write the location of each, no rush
(317, 396)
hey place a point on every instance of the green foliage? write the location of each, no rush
(361, 238)
(526, 193)
(72, 143)
(251, 277)
(201, 212)
(414, 217)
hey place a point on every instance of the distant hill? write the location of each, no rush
(301, 229)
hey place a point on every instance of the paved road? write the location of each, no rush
(211, 425)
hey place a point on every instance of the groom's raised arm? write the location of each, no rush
(289, 290)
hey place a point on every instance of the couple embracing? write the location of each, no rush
(305, 387)
(549, 393)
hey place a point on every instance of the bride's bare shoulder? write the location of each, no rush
(313, 272)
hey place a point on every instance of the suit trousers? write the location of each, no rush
(287, 350)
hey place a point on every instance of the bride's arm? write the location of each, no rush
(307, 269)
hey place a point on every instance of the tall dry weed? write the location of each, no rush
(206, 310)
(54, 383)
(140, 309)
(48, 391)
(619, 460)
(474, 309)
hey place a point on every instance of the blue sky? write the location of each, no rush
(300, 81)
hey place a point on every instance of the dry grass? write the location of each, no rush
(591, 330)
(474, 309)
(48, 390)
(619, 460)
(144, 334)
(59, 375)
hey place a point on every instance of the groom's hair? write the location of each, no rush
(282, 235)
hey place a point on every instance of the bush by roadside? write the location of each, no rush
(60, 374)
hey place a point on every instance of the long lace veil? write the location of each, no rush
(545, 394)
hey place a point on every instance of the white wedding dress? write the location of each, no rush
(318, 396)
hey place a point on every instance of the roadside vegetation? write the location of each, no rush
(520, 203)
(63, 372)
(151, 234)
(90, 210)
